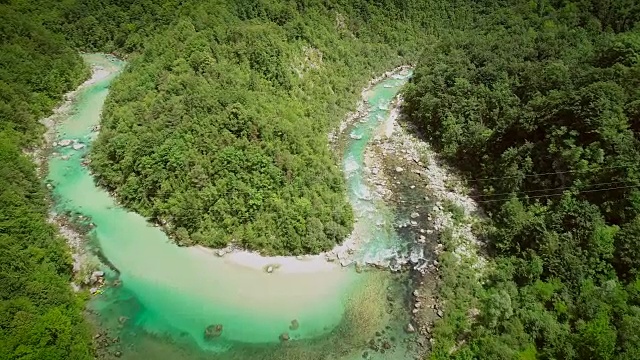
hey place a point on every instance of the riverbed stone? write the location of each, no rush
(78, 146)
(213, 331)
(410, 329)
(399, 169)
(294, 325)
(269, 269)
(284, 336)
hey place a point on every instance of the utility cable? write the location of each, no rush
(553, 173)
(559, 194)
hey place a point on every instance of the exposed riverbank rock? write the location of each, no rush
(213, 331)
(97, 277)
(409, 329)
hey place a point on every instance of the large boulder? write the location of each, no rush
(213, 331)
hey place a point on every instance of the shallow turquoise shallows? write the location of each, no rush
(174, 293)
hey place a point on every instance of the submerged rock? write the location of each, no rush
(213, 331)
(78, 146)
(409, 329)
(269, 269)
(284, 336)
(294, 325)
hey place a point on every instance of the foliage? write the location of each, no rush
(40, 317)
(537, 105)
(218, 128)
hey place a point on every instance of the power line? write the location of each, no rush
(550, 189)
(559, 194)
(554, 173)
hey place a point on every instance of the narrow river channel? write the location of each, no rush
(168, 295)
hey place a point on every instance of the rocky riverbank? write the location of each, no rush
(431, 203)
(362, 106)
(72, 229)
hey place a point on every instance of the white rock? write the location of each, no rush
(269, 269)
(78, 146)
(65, 142)
(346, 262)
(399, 169)
(410, 329)
(414, 215)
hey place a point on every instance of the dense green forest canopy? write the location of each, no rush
(219, 126)
(537, 104)
(40, 317)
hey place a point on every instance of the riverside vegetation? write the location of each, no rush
(40, 317)
(537, 105)
(223, 138)
(218, 129)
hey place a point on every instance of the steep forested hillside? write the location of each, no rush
(40, 317)
(219, 127)
(538, 105)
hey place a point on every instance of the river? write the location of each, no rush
(167, 295)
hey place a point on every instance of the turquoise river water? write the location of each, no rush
(169, 294)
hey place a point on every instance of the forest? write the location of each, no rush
(537, 105)
(223, 138)
(40, 316)
(218, 129)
